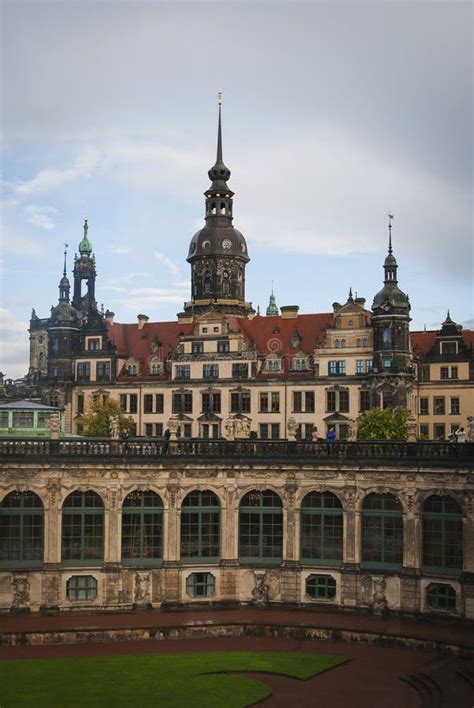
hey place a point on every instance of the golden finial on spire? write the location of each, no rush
(219, 98)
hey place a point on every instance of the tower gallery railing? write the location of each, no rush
(372, 452)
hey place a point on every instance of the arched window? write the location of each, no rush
(142, 528)
(207, 283)
(387, 337)
(343, 343)
(225, 283)
(21, 530)
(337, 343)
(83, 529)
(366, 342)
(261, 527)
(200, 527)
(321, 528)
(442, 535)
(359, 342)
(382, 531)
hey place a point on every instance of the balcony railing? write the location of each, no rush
(398, 454)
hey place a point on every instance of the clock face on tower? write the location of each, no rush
(226, 244)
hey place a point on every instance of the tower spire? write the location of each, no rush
(219, 129)
(390, 217)
(66, 245)
(64, 285)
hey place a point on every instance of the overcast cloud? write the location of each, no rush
(334, 114)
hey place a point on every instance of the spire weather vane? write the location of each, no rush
(219, 98)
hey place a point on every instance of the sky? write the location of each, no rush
(334, 114)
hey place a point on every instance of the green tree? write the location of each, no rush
(387, 424)
(95, 422)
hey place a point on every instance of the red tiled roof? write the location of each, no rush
(423, 341)
(274, 333)
(131, 341)
(268, 333)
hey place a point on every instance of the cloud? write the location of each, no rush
(15, 243)
(119, 250)
(173, 269)
(50, 178)
(40, 216)
(138, 299)
(13, 345)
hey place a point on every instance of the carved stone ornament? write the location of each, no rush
(20, 592)
(238, 427)
(54, 489)
(260, 592)
(173, 427)
(379, 600)
(412, 428)
(409, 498)
(172, 492)
(142, 590)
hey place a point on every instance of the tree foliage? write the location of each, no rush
(387, 424)
(95, 422)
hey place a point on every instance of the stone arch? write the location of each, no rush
(319, 489)
(364, 493)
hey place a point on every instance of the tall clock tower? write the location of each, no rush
(392, 366)
(218, 252)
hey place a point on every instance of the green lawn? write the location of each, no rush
(168, 680)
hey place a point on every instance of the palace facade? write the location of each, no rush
(240, 506)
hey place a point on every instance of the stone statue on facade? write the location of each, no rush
(412, 429)
(352, 437)
(54, 425)
(379, 600)
(470, 428)
(291, 429)
(245, 428)
(229, 429)
(114, 427)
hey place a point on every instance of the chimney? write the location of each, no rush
(336, 306)
(289, 312)
(360, 301)
(142, 320)
(109, 317)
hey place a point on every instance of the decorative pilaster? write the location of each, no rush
(112, 526)
(52, 525)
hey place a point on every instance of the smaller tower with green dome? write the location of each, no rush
(84, 270)
(85, 247)
(272, 308)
